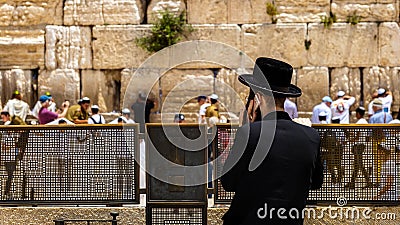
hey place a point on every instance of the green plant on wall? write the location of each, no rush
(353, 19)
(272, 11)
(328, 20)
(166, 31)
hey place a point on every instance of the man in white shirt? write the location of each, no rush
(340, 107)
(203, 102)
(388, 190)
(291, 108)
(324, 106)
(16, 107)
(360, 112)
(385, 96)
(125, 117)
(96, 117)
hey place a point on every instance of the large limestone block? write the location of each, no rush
(16, 79)
(63, 84)
(102, 87)
(30, 13)
(114, 47)
(248, 11)
(294, 11)
(389, 39)
(99, 12)
(68, 47)
(207, 11)
(157, 6)
(347, 80)
(228, 34)
(281, 41)
(368, 11)
(21, 48)
(385, 77)
(343, 45)
(314, 82)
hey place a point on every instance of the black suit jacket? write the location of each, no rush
(291, 167)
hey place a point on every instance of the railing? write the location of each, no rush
(358, 161)
(96, 164)
(113, 221)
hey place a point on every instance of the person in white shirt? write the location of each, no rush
(124, 118)
(324, 106)
(385, 96)
(52, 106)
(203, 102)
(322, 117)
(96, 117)
(291, 108)
(16, 107)
(360, 112)
(340, 107)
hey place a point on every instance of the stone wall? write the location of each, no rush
(85, 48)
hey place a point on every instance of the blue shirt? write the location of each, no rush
(380, 117)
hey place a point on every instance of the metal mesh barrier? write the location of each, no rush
(176, 215)
(176, 192)
(222, 145)
(69, 164)
(359, 161)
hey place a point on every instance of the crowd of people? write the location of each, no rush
(379, 109)
(45, 111)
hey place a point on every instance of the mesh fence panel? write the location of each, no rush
(68, 164)
(359, 161)
(177, 215)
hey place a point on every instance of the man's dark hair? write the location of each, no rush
(6, 113)
(95, 111)
(361, 111)
(280, 101)
(201, 97)
(213, 101)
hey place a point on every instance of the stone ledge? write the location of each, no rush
(136, 215)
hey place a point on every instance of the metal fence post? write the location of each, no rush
(59, 222)
(114, 218)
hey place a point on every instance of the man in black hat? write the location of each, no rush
(274, 162)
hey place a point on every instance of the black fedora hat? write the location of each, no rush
(271, 76)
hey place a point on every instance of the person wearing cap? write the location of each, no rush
(340, 107)
(276, 169)
(179, 118)
(324, 106)
(291, 108)
(124, 118)
(379, 115)
(96, 117)
(45, 115)
(385, 96)
(213, 110)
(78, 113)
(52, 106)
(203, 102)
(16, 106)
(360, 112)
